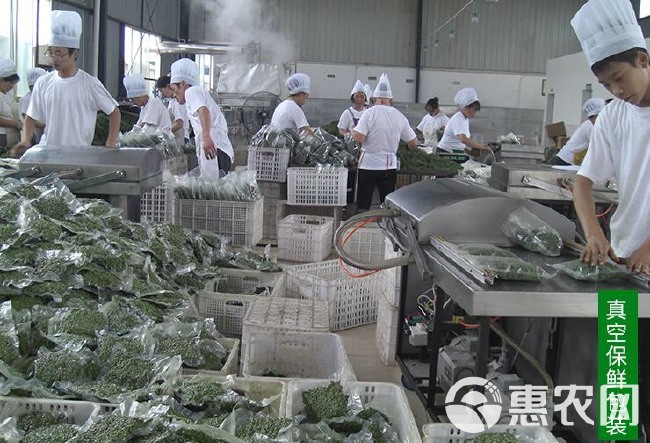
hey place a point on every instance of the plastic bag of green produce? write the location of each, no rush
(508, 268)
(579, 270)
(530, 232)
(65, 365)
(8, 338)
(484, 250)
(9, 431)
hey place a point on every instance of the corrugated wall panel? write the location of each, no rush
(112, 76)
(511, 35)
(165, 17)
(126, 11)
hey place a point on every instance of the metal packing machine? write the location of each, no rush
(118, 175)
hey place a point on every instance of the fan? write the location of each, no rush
(257, 110)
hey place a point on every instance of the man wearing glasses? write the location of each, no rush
(67, 100)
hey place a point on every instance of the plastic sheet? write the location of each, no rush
(236, 186)
(530, 232)
(579, 270)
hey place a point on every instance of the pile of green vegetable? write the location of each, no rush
(494, 437)
(530, 232)
(418, 162)
(238, 186)
(579, 270)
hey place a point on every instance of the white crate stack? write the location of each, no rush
(297, 355)
(305, 238)
(240, 221)
(274, 193)
(269, 163)
(157, 205)
(317, 186)
(387, 398)
(228, 305)
(352, 299)
(388, 323)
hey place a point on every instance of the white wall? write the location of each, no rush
(334, 81)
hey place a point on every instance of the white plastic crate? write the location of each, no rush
(306, 238)
(366, 244)
(228, 307)
(157, 204)
(231, 366)
(352, 301)
(274, 193)
(387, 398)
(269, 163)
(388, 323)
(297, 355)
(75, 412)
(317, 186)
(241, 221)
(255, 388)
(448, 433)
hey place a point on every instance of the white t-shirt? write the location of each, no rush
(23, 103)
(288, 115)
(9, 111)
(383, 127)
(155, 115)
(195, 98)
(429, 125)
(579, 141)
(346, 121)
(179, 112)
(457, 124)
(620, 148)
(68, 107)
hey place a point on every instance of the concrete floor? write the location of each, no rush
(359, 344)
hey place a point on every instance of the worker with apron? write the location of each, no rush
(432, 123)
(350, 117)
(10, 123)
(457, 137)
(213, 147)
(575, 149)
(289, 113)
(379, 131)
(153, 113)
(67, 100)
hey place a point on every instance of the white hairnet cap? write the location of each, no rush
(465, 97)
(65, 29)
(7, 67)
(358, 87)
(593, 106)
(297, 83)
(185, 70)
(135, 86)
(368, 90)
(607, 27)
(383, 90)
(34, 74)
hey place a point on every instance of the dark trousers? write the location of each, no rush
(384, 180)
(224, 161)
(558, 161)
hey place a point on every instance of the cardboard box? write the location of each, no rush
(557, 133)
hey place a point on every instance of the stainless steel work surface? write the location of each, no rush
(559, 296)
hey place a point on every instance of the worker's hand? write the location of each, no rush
(488, 148)
(639, 261)
(19, 125)
(19, 149)
(111, 143)
(597, 250)
(209, 149)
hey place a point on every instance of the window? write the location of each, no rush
(141, 55)
(205, 71)
(644, 8)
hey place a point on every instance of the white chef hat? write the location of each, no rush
(383, 90)
(593, 106)
(368, 90)
(297, 83)
(185, 70)
(607, 27)
(358, 87)
(135, 86)
(7, 68)
(465, 97)
(34, 74)
(65, 29)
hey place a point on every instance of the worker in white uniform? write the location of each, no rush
(457, 136)
(67, 100)
(153, 113)
(10, 123)
(32, 75)
(379, 132)
(177, 111)
(620, 141)
(289, 113)
(213, 147)
(350, 117)
(572, 152)
(432, 123)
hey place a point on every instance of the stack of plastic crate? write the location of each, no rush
(273, 192)
(317, 186)
(305, 238)
(157, 205)
(388, 321)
